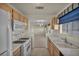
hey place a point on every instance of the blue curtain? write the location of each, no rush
(69, 17)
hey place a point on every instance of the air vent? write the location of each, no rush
(39, 7)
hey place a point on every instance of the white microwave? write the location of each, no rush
(17, 25)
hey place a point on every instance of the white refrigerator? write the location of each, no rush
(5, 33)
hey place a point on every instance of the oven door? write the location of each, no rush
(28, 49)
(22, 50)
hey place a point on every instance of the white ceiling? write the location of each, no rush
(49, 10)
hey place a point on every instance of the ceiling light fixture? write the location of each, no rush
(40, 20)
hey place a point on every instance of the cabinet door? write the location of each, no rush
(5, 7)
(26, 21)
(49, 47)
(56, 20)
(56, 51)
(17, 52)
(21, 18)
(16, 15)
(52, 50)
(75, 28)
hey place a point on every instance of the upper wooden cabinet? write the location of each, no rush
(24, 19)
(54, 22)
(16, 15)
(5, 7)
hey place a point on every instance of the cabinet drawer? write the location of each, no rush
(17, 52)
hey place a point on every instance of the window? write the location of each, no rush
(70, 27)
(65, 27)
(75, 27)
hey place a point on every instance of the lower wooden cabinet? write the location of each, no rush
(17, 52)
(56, 52)
(50, 47)
(53, 50)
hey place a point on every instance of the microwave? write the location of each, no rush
(18, 25)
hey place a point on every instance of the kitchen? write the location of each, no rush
(39, 29)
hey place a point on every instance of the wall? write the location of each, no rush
(38, 39)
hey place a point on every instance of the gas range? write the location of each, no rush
(26, 46)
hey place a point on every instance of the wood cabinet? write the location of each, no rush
(54, 21)
(50, 47)
(51, 24)
(17, 52)
(56, 52)
(53, 50)
(23, 18)
(16, 15)
(26, 21)
(5, 7)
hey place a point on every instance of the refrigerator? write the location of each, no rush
(5, 33)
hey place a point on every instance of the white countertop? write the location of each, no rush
(70, 52)
(66, 51)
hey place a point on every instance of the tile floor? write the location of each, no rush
(40, 52)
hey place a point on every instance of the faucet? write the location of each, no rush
(65, 40)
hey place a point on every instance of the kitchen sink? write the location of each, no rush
(18, 41)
